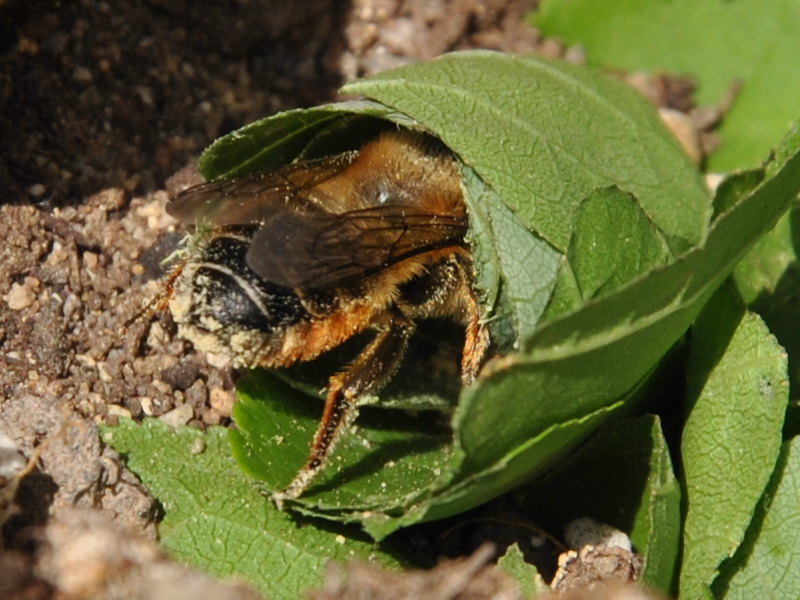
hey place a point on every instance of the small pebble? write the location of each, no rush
(82, 75)
(685, 132)
(116, 410)
(90, 260)
(586, 531)
(20, 296)
(713, 180)
(198, 446)
(11, 460)
(182, 375)
(37, 190)
(222, 401)
(147, 405)
(218, 361)
(178, 416)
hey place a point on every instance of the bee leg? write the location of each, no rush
(476, 339)
(367, 373)
(159, 303)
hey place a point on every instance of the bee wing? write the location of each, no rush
(255, 198)
(329, 250)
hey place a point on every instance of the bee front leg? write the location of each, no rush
(476, 338)
(367, 373)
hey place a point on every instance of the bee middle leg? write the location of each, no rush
(367, 373)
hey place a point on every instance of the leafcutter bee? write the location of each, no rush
(298, 259)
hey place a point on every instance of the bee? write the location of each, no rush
(298, 259)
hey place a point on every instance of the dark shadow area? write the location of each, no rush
(499, 522)
(594, 480)
(428, 377)
(97, 94)
(33, 500)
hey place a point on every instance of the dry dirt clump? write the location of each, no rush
(69, 279)
(64, 314)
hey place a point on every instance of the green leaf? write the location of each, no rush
(570, 375)
(293, 134)
(216, 520)
(576, 366)
(768, 563)
(738, 393)
(543, 134)
(622, 476)
(528, 580)
(613, 242)
(518, 270)
(716, 41)
(735, 187)
(768, 278)
(379, 466)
